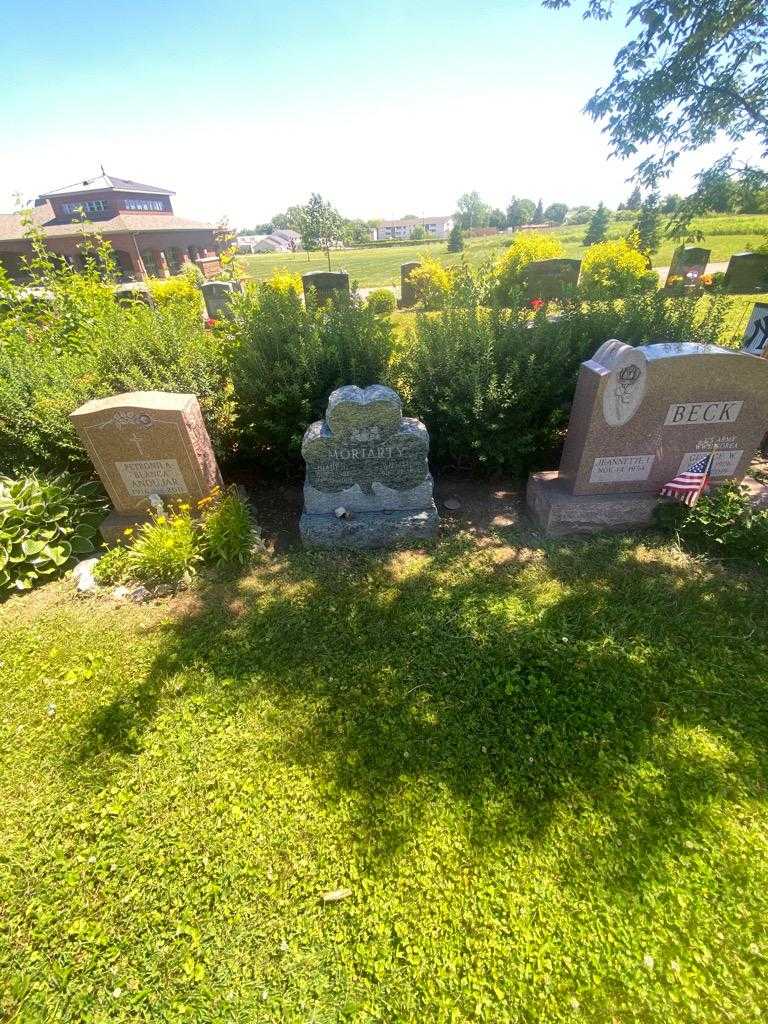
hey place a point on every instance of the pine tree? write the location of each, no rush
(538, 217)
(635, 201)
(455, 239)
(649, 225)
(597, 226)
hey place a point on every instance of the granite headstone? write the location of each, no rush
(146, 443)
(689, 264)
(641, 416)
(134, 291)
(367, 476)
(551, 279)
(755, 338)
(407, 288)
(217, 296)
(326, 285)
(747, 272)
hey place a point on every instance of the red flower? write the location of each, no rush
(536, 304)
(210, 322)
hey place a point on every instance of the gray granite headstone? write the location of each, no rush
(689, 264)
(407, 288)
(755, 338)
(640, 417)
(327, 285)
(747, 272)
(367, 476)
(217, 296)
(551, 279)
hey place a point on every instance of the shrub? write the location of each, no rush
(284, 281)
(179, 290)
(431, 283)
(723, 523)
(382, 301)
(44, 525)
(508, 274)
(613, 270)
(136, 349)
(494, 388)
(287, 358)
(456, 238)
(112, 566)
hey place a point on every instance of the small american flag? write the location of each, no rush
(687, 487)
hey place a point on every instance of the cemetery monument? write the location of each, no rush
(217, 296)
(407, 289)
(327, 284)
(551, 279)
(641, 416)
(146, 443)
(367, 477)
(747, 272)
(755, 338)
(689, 262)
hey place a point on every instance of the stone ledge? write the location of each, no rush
(113, 527)
(560, 513)
(369, 529)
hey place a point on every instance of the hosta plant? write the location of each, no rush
(45, 525)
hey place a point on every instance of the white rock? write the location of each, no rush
(120, 593)
(341, 512)
(83, 576)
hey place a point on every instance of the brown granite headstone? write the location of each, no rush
(147, 443)
(689, 264)
(641, 416)
(551, 279)
(326, 285)
(747, 272)
(407, 288)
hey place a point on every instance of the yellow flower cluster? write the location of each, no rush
(213, 496)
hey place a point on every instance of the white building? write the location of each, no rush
(435, 227)
(283, 240)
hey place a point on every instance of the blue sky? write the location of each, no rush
(246, 107)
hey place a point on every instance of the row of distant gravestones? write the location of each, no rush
(640, 418)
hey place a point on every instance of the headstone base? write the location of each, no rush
(115, 525)
(369, 529)
(559, 513)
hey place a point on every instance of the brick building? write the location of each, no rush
(148, 239)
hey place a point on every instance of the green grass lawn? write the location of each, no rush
(541, 772)
(369, 267)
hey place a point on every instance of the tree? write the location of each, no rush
(648, 226)
(356, 232)
(497, 219)
(519, 212)
(419, 233)
(556, 212)
(456, 238)
(320, 225)
(472, 211)
(538, 215)
(580, 215)
(597, 226)
(694, 70)
(635, 200)
(670, 202)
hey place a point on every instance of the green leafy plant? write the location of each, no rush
(113, 566)
(722, 523)
(431, 283)
(164, 550)
(178, 290)
(381, 301)
(228, 535)
(615, 270)
(45, 525)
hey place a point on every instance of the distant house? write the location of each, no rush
(147, 237)
(283, 240)
(435, 227)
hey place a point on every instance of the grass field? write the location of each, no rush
(724, 235)
(539, 772)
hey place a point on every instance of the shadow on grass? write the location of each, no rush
(510, 678)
